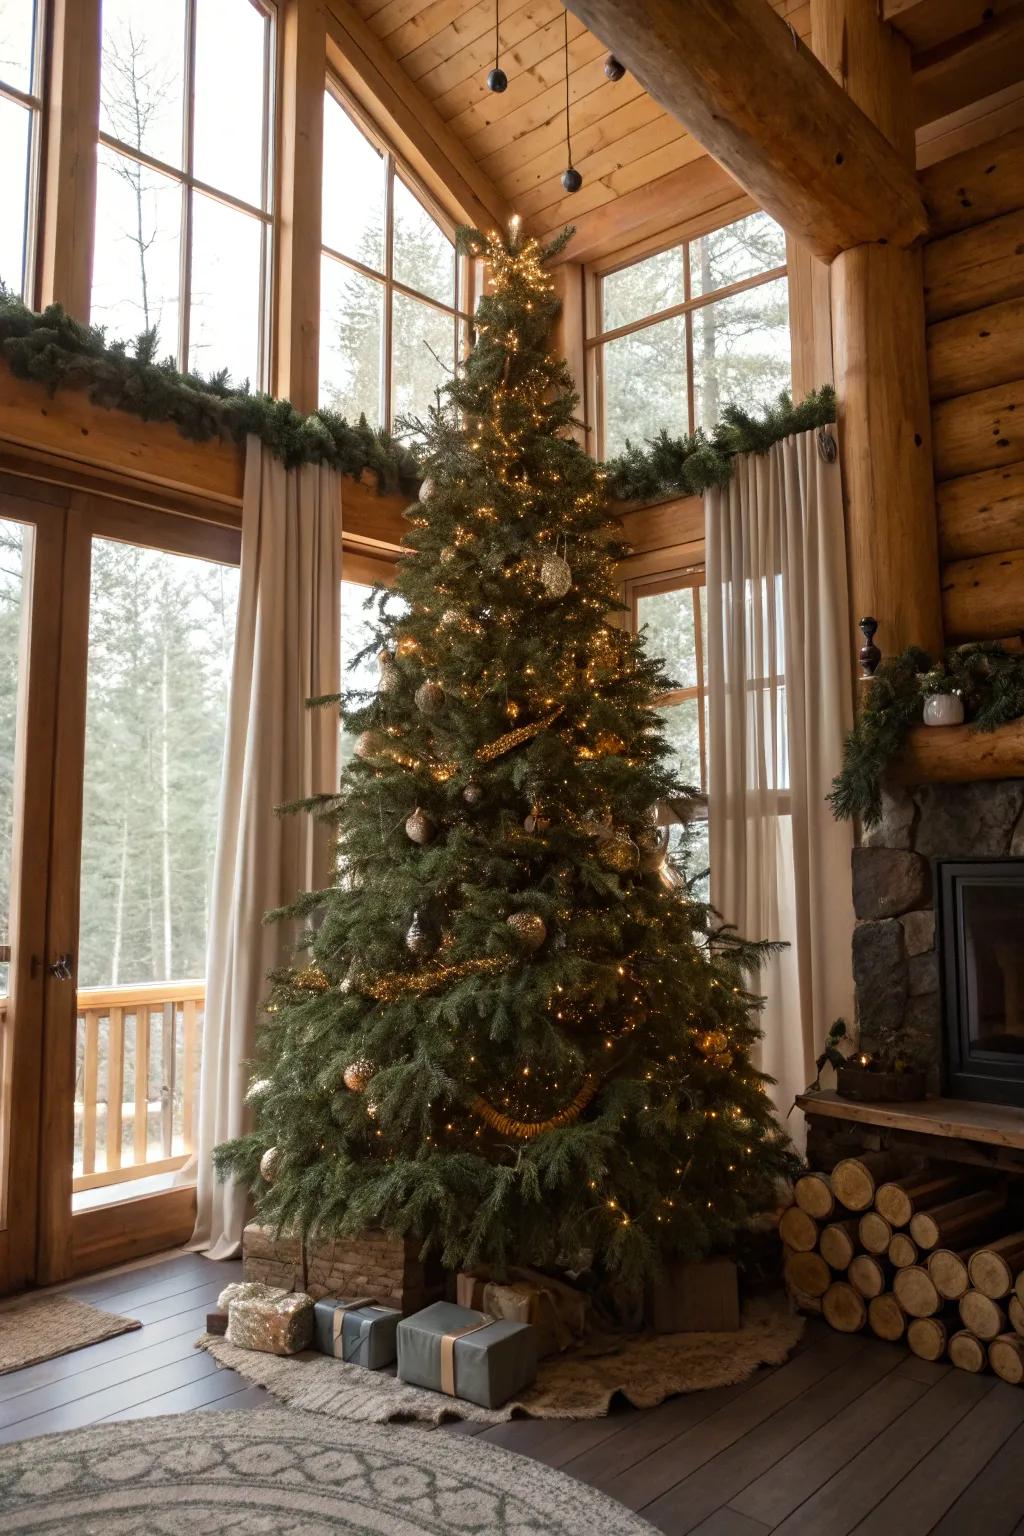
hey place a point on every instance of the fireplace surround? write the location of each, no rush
(980, 934)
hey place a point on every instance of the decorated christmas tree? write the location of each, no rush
(512, 1030)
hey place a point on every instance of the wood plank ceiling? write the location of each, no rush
(623, 142)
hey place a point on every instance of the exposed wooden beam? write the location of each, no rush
(983, 598)
(978, 64)
(929, 23)
(742, 82)
(72, 127)
(956, 754)
(978, 185)
(377, 81)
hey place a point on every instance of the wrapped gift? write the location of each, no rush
(466, 1354)
(249, 1290)
(358, 1332)
(557, 1311)
(276, 1325)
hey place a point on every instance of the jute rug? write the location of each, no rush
(43, 1327)
(580, 1385)
(280, 1473)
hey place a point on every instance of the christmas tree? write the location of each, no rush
(512, 1030)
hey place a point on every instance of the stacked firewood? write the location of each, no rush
(931, 1254)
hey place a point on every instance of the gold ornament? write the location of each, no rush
(450, 618)
(619, 852)
(312, 979)
(448, 554)
(472, 793)
(607, 744)
(406, 647)
(426, 489)
(512, 739)
(713, 1042)
(429, 697)
(555, 575)
(257, 1089)
(723, 1060)
(418, 939)
(526, 1130)
(386, 988)
(512, 709)
(419, 828)
(654, 850)
(371, 746)
(357, 1074)
(390, 678)
(529, 928)
(269, 1165)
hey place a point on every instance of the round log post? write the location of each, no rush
(927, 1337)
(843, 1308)
(956, 1224)
(1006, 1357)
(813, 1194)
(798, 1230)
(966, 1352)
(867, 1275)
(985, 1318)
(900, 1198)
(915, 1292)
(994, 1268)
(855, 1179)
(886, 1317)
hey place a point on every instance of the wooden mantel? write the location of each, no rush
(994, 1125)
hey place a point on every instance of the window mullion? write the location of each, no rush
(389, 277)
(188, 156)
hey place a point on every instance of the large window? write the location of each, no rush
(20, 117)
(390, 282)
(681, 334)
(183, 203)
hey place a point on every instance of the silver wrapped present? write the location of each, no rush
(278, 1324)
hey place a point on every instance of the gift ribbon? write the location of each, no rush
(448, 1352)
(338, 1320)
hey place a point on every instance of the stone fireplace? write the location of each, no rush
(906, 873)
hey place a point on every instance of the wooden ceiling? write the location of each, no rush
(623, 142)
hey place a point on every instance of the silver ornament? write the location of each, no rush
(555, 575)
(448, 554)
(357, 1074)
(450, 618)
(269, 1165)
(257, 1089)
(472, 794)
(419, 828)
(529, 928)
(426, 489)
(429, 697)
(371, 746)
(390, 678)
(619, 852)
(418, 940)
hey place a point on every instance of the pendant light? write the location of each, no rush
(497, 80)
(571, 178)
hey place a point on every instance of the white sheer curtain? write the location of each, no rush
(277, 750)
(780, 703)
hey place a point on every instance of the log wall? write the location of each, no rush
(974, 305)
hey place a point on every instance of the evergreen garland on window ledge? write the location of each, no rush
(989, 679)
(688, 466)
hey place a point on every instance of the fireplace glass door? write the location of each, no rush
(981, 925)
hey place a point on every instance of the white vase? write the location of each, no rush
(943, 709)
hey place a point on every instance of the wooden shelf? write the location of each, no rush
(996, 1125)
(956, 754)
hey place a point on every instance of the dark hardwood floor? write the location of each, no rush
(849, 1435)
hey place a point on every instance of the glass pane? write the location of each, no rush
(683, 732)
(15, 560)
(228, 142)
(355, 175)
(161, 634)
(643, 289)
(741, 351)
(424, 257)
(142, 75)
(752, 245)
(645, 384)
(15, 139)
(357, 630)
(351, 342)
(136, 274)
(17, 43)
(666, 619)
(224, 317)
(423, 355)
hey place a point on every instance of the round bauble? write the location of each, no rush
(385, 657)
(472, 793)
(419, 828)
(357, 1074)
(312, 979)
(571, 179)
(390, 678)
(654, 851)
(529, 928)
(614, 71)
(713, 1042)
(597, 827)
(419, 941)
(371, 746)
(269, 1163)
(258, 1090)
(555, 575)
(448, 554)
(426, 489)
(451, 618)
(619, 853)
(429, 697)
(406, 647)
(608, 744)
(497, 80)
(512, 709)
(536, 822)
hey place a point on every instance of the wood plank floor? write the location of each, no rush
(849, 1435)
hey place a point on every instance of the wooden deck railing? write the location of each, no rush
(136, 1080)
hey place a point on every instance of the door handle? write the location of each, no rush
(60, 970)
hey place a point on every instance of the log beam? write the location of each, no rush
(72, 126)
(742, 82)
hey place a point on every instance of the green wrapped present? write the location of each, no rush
(358, 1332)
(466, 1354)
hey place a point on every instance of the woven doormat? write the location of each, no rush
(43, 1327)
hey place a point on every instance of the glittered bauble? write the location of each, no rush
(654, 850)
(357, 1074)
(529, 928)
(390, 678)
(723, 1060)
(511, 709)
(472, 794)
(713, 1042)
(429, 697)
(269, 1164)
(555, 575)
(448, 554)
(371, 746)
(385, 657)
(497, 80)
(257, 1089)
(419, 941)
(619, 853)
(426, 489)
(571, 179)
(419, 828)
(450, 618)
(312, 979)
(406, 646)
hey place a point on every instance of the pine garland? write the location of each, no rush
(989, 679)
(59, 352)
(688, 466)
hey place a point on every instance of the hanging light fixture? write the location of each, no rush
(497, 80)
(571, 178)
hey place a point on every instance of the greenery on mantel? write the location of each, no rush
(688, 466)
(59, 352)
(989, 679)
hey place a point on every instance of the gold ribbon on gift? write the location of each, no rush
(338, 1321)
(448, 1352)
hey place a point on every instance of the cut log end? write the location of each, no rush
(1006, 1357)
(867, 1275)
(927, 1337)
(875, 1232)
(984, 1317)
(916, 1292)
(966, 1352)
(813, 1194)
(807, 1273)
(886, 1317)
(994, 1268)
(855, 1179)
(948, 1273)
(902, 1251)
(843, 1308)
(1015, 1312)
(798, 1230)
(838, 1245)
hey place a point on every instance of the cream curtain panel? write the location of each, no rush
(779, 705)
(277, 750)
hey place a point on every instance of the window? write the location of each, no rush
(687, 331)
(20, 118)
(183, 199)
(390, 282)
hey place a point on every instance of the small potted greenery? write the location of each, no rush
(889, 1068)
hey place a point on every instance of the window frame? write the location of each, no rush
(396, 166)
(34, 101)
(596, 337)
(693, 577)
(190, 184)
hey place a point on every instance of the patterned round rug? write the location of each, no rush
(275, 1472)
